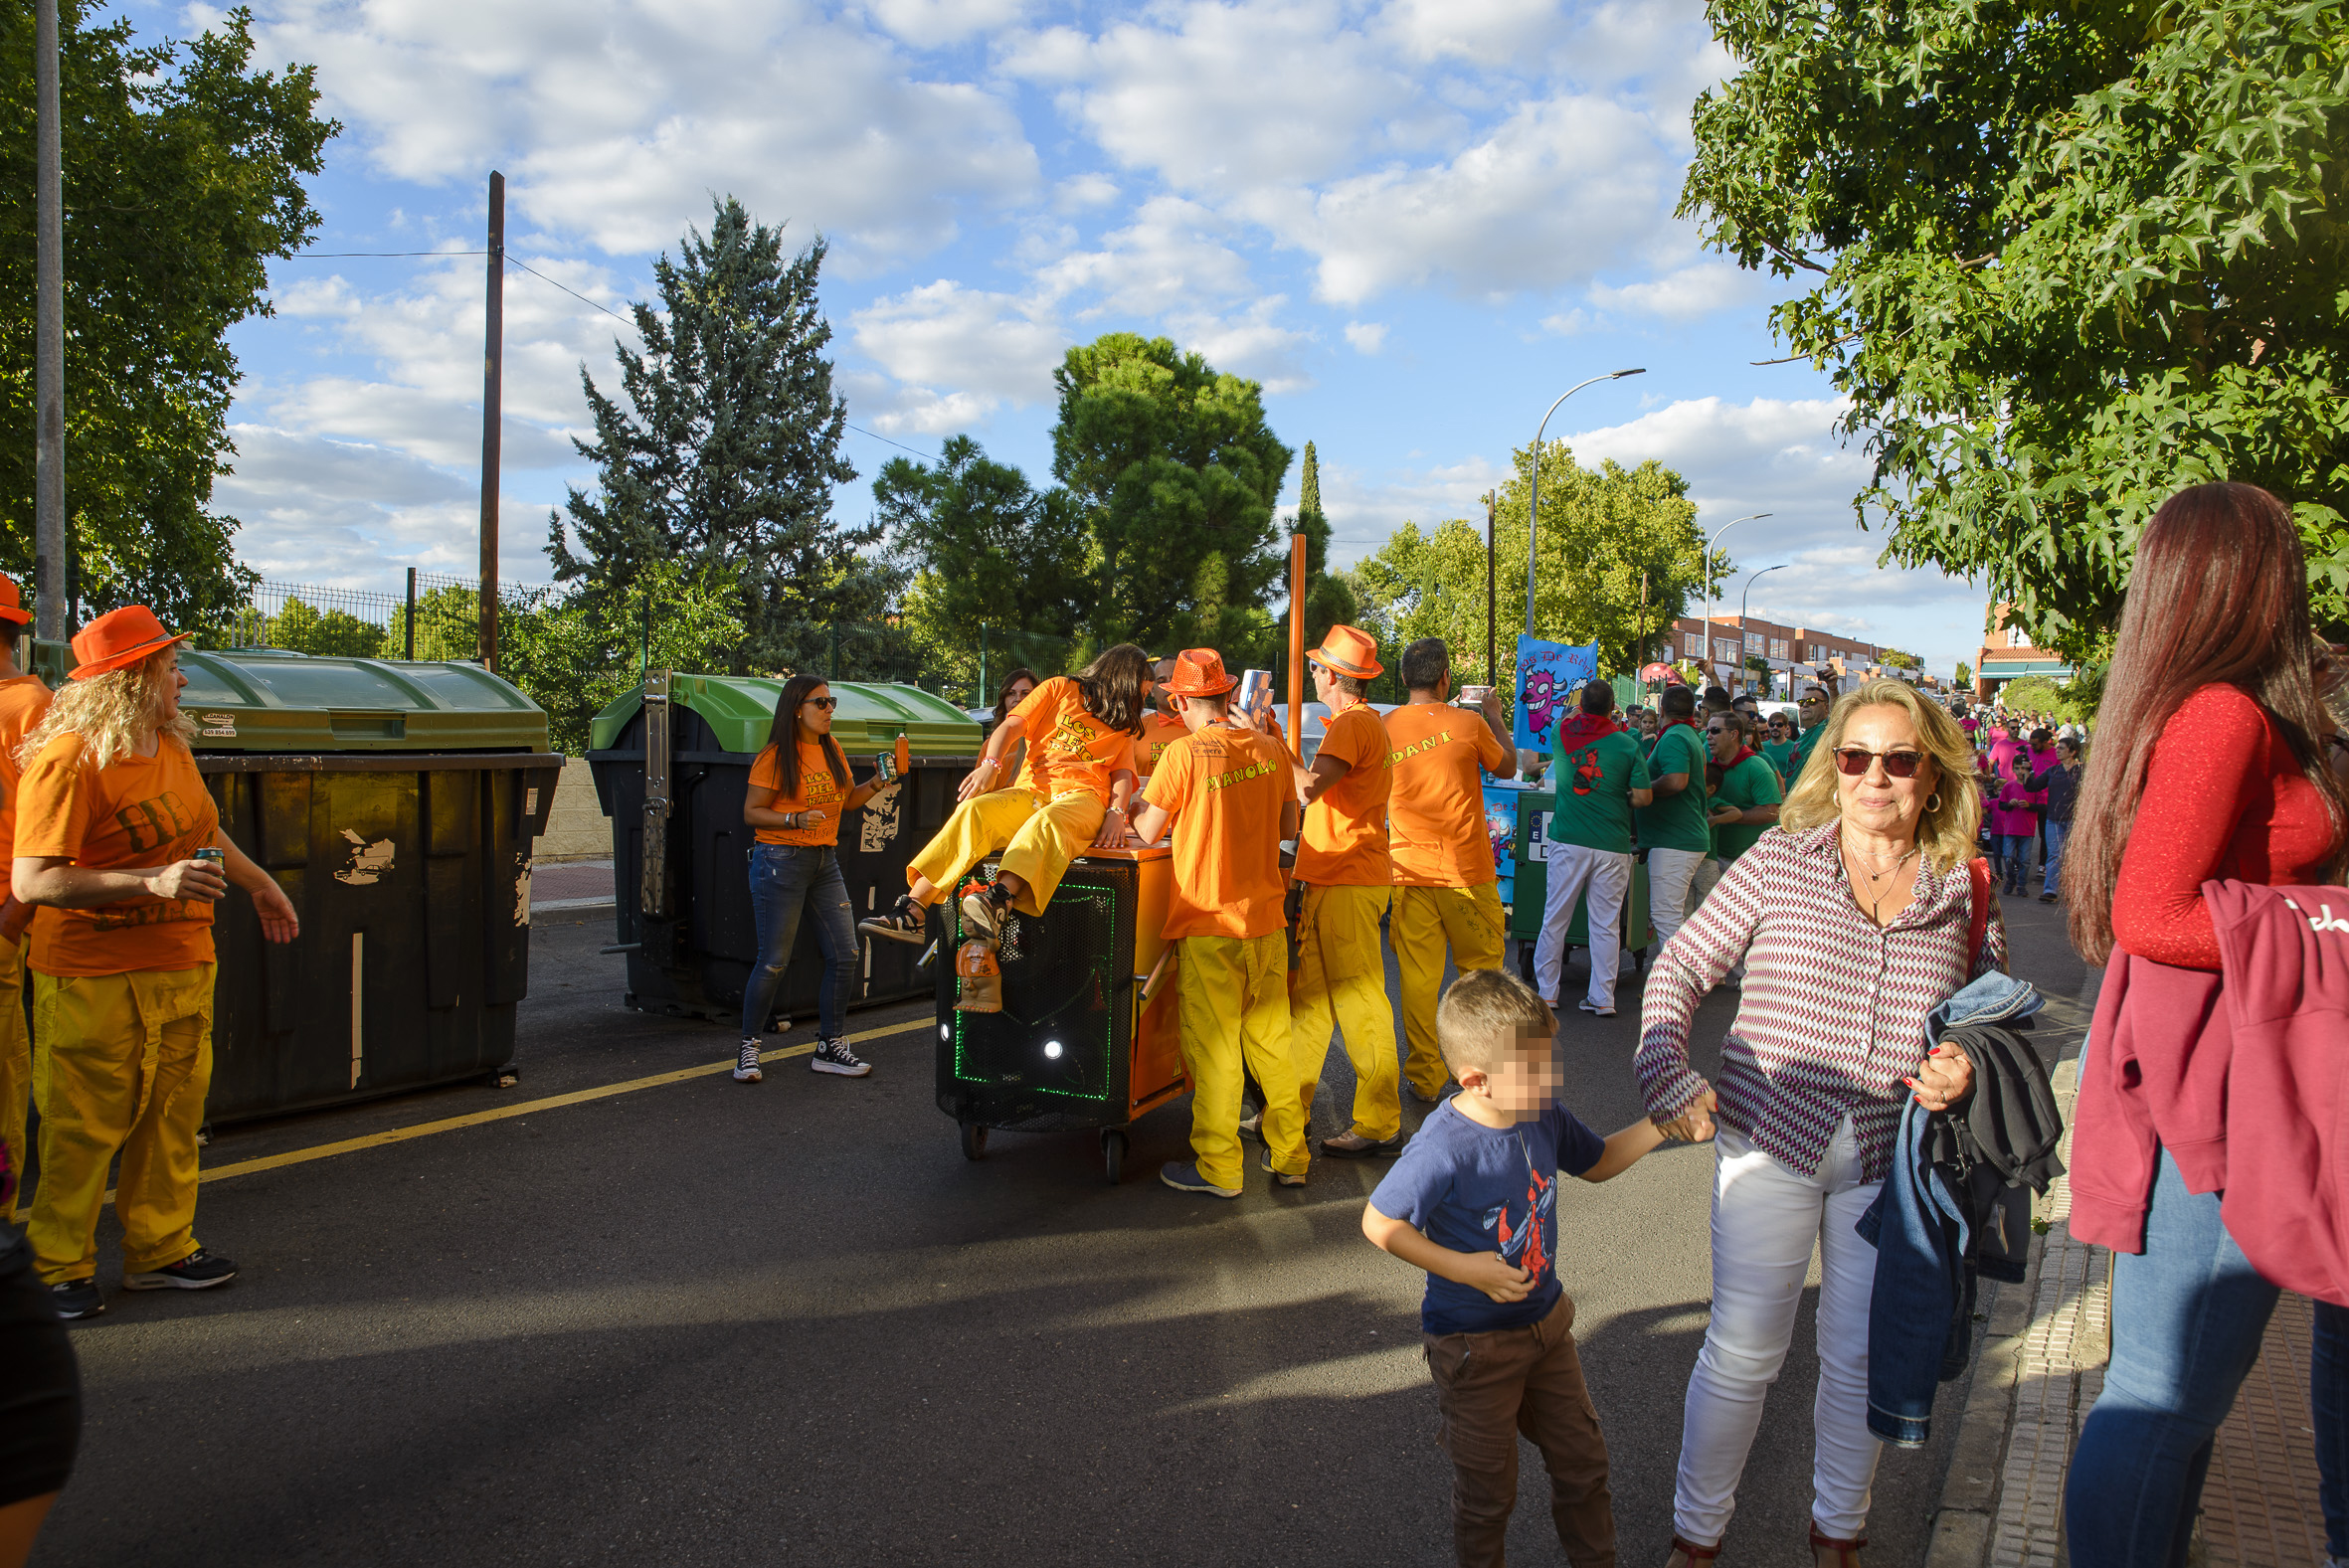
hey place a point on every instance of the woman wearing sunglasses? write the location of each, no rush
(799, 788)
(1853, 920)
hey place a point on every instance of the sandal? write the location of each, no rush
(1847, 1553)
(1693, 1554)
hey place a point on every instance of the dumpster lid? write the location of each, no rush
(740, 711)
(265, 700)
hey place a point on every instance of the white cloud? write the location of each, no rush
(928, 22)
(1168, 259)
(1081, 191)
(956, 354)
(1368, 337)
(1248, 343)
(1683, 296)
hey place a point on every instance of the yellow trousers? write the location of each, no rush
(1232, 1004)
(126, 1062)
(1341, 974)
(16, 1069)
(1425, 922)
(1039, 838)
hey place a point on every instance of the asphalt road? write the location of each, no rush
(709, 1322)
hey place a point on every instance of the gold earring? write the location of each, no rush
(1933, 801)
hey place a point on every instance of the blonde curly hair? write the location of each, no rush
(1953, 811)
(116, 711)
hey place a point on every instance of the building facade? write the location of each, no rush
(2007, 655)
(1791, 653)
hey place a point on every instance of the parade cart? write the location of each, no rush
(1086, 1040)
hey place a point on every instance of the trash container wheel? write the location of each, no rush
(1113, 1154)
(973, 1140)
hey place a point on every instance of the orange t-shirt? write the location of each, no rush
(1225, 789)
(22, 701)
(138, 812)
(1345, 839)
(818, 787)
(1067, 748)
(1437, 808)
(1157, 732)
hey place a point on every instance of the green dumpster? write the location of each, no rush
(1532, 884)
(671, 762)
(396, 803)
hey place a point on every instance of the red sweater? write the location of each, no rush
(2225, 800)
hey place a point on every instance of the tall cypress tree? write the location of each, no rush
(722, 451)
(1328, 598)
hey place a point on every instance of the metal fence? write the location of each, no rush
(439, 617)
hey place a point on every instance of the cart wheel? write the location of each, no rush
(1113, 1154)
(973, 1141)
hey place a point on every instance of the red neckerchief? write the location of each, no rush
(1690, 721)
(1743, 752)
(1584, 728)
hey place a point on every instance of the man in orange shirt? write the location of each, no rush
(1446, 888)
(1343, 865)
(1161, 728)
(1227, 793)
(23, 700)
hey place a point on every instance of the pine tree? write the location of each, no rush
(1328, 598)
(725, 455)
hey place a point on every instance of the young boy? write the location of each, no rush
(1228, 793)
(1473, 1201)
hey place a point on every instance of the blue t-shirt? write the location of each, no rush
(1475, 1188)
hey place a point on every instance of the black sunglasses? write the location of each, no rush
(1853, 759)
(822, 702)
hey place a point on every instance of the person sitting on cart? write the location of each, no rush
(1161, 726)
(1227, 792)
(1080, 731)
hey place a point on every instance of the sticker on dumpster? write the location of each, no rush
(522, 895)
(881, 824)
(220, 724)
(368, 861)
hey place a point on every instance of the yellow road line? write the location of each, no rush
(245, 1167)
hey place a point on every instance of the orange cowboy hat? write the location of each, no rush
(1349, 651)
(12, 602)
(121, 639)
(1198, 672)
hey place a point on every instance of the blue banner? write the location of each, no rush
(1550, 680)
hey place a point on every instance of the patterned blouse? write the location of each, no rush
(1833, 1012)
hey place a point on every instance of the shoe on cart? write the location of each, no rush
(77, 1298)
(983, 909)
(834, 1055)
(1252, 1127)
(1353, 1145)
(1279, 1178)
(906, 922)
(1186, 1178)
(746, 1065)
(198, 1271)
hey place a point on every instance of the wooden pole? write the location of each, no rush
(492, 379)
(49, 341)
(1491, 638)
(1296, 644)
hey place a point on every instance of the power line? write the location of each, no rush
(308, 256)
(900, 445)
(572, 292)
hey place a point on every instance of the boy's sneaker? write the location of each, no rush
(77, 1298)
(1186, 1178)
(746, 1065)
(1252, 1127)
(906, 922)
(1279, 1178)
(834, 1055)
(198, 1271)
(1353, 1145)
(983, 909)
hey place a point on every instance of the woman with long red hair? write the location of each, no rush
(2209, 765)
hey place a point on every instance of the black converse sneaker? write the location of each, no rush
(983, 909)
(834, 1055)
(198, 1271)
(746, 1065)
(906, 922)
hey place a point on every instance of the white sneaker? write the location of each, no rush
(1595, 1010)
(746, 1065)
(1252, 1127)
(834, 1055)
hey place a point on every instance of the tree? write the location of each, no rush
(1899, 659)
(1175, 474)
(1329, 598)
(302, 627)
(573, 655)
(725, 456)
(2063, 258)
(183, 171)
(983, 548)
(1965, 676)
(1600, 530)
(2032, 694)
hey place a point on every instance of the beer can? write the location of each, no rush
(1255, 693)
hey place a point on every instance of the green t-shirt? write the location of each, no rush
(1593, 782)
(1676, 822)
(1805, 744)
(1750, 783)
(1781, 756)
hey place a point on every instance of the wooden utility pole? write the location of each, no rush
(1491, 639)
(49, 343)
(1296, 644)
(493, 378)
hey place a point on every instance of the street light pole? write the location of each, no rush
(49, 339)
(1533, 496)
(1706, 564)
(1742, 600)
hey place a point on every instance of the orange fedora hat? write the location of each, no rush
(12, 603)
(121, 639)
(1198, 672)
(1350, 652)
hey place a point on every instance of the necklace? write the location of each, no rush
(1875, 898)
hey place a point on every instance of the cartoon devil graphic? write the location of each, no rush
(1543, 700)
(1587, 771)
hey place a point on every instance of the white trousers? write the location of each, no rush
(1607, 875)
(1766, 1218)
(1669, 874)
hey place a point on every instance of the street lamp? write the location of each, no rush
(1534, 498)
(1742, 600)
(1707, 563)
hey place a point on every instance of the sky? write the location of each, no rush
(1416, 223)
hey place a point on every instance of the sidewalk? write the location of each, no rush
(2041, 1368)
(579, 884)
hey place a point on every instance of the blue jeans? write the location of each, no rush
(2014, 853)
(785, 878)
(2188, 1316)
(2057, 832)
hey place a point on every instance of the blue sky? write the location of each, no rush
(1417, 221)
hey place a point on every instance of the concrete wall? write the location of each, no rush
(577, 828)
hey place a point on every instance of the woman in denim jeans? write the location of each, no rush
(799, 788)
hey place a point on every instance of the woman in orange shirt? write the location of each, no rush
(800, 788)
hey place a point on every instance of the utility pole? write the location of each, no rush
(492, 379)
(49, 343)
(1491, 648)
